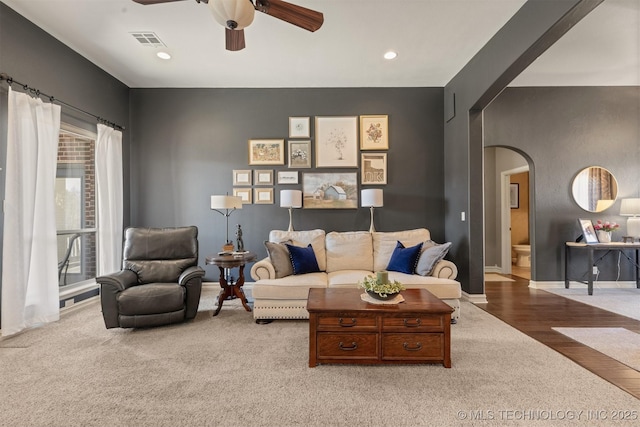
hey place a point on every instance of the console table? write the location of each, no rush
(591, 248)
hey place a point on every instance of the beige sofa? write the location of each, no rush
(344, 259)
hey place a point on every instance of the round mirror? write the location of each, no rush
(595, 189)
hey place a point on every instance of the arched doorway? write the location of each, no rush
(508, 212)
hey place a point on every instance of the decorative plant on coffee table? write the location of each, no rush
(380, 287)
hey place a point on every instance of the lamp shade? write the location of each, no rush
(226, 202)
(290, 199)
(630, 207)
(371, 197)
(233, 14)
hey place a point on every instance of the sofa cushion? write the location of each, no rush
(430, 256)
(442, 288)
(351, 250)
(279, 257)
(404, 259)
(385, 242)
(288, 288)
(303, 259)
(303, 238)
(347, 278)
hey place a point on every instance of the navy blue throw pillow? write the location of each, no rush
(303, 260)
(404, 259)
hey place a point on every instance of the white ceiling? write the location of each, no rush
(434, 40)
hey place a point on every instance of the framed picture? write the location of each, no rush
(242, 177)
(266, 151)
(374, 132)
(263, 177)
(337, 142)
(299, 154)
(373, 169)
(588, 232)
(337, 190)
(244, 194)
(514, 196)
(287, 177)
(263, 196)
(299, 127)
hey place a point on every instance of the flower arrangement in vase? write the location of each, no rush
(604, 230)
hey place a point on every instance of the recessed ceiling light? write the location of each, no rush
(390, 55)
(163, 55)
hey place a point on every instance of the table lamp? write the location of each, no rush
(291, 199)
(371, 198)
(225, 205)
(631, 208)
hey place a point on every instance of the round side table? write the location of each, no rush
(231, 289)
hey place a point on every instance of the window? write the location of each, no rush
(75, 206)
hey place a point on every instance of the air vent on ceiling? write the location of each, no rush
(148, 38)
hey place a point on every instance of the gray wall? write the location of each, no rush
(187, 142)
(564, 130)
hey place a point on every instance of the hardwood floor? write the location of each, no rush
(534, 312)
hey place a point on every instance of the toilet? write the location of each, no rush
(523, 253)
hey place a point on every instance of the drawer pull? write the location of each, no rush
(347, 325)
(418, 346)
(354, 345)
(412, 325)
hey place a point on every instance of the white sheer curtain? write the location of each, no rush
(109, 198)
(30, 258)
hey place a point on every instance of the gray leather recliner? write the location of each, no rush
(160, 281)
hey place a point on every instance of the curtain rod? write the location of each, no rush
(37, 93)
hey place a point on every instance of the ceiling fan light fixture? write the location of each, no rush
(232, 14)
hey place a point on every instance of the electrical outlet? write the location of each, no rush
(595, 269)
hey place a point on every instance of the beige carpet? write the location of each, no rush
(494, 277)
(618, 343)
(228, 371)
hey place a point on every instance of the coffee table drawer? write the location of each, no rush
(412, 346)
(419, 323)
(347, 346)
(347, 321)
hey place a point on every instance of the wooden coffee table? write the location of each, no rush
(345, 329)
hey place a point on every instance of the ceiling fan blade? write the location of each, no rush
(234, 39)
(146, 2)
(297, 15)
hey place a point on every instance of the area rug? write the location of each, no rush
(618, 343)
(229, 371)
(494, 277)
(623, 301)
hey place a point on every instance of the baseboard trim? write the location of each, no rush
(493, 269)
(580, 285)
(474, 298)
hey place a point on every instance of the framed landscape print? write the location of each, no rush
(287, 177)
(263, 177)
(242, 177)
(263, 196)
(374, 132)
(338, 190)
(266, 151)
(299, 154)
(337, 142)
(373, 168)
(299, 127)
(244, 194)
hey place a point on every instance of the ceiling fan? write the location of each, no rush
(235, 15)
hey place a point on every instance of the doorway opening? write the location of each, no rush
(508, 192)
